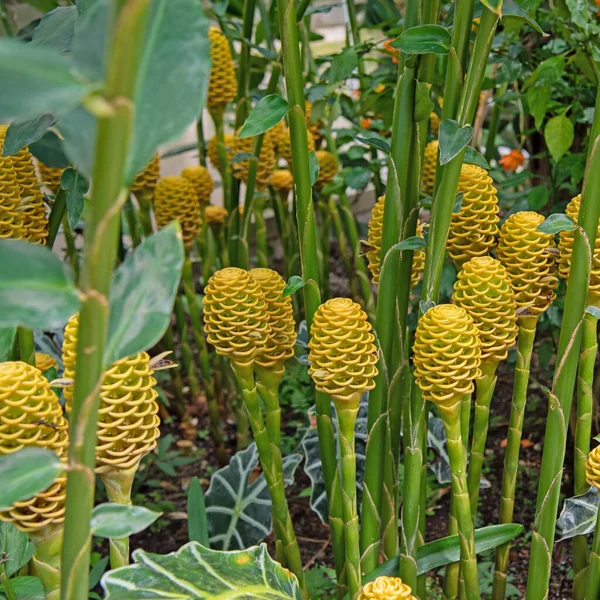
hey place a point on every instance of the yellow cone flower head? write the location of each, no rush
(447, 354)
(418, 263)
(328, 168)
(483, 289)
(266, 160)
(428, 169)
(524, 251)
(31, 416)
(212, 150)
(12, 223)
(314, 127)
(565, 245)
(235, 316)
(285, 146)
(201, 181)
(282, 181)
(128, 417)
(145, 181)
(473, 230)
(277, 133)
(222, 86)
(44, 362)
(50, 176)
(434, 123)
(592, 468)
(342, 351)
(280, 344)
(215, 215)
(175, 200)
(386, 588)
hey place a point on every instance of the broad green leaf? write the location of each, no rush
(266, 114)
(343, 65)
(423, 104)
(453, 139)
(458, 200)
(196, 511)
(120, 520)
(21, 133)
(512, 11)
(241, 157)
(473, 157)
(36, 81)
(425, 306)
(26, 473)
(75, 186)
(16, 545)
(182, 149)
(494, 5)
(412, 243)
(203, 574)
(295, 283)
(373, 141)
(6, 339)
(49, 149)
(56, 29)
(238, 506)
(537, 197)
(424, 39)
(26, 588)
(559, 134)
(142, 294)
(357, 178)
(578, 516)
(538, 97)
(314, 167)
(37, 290)
(555, 223)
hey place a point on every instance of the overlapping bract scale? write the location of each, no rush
(428, 168)
(44, 361)
(145, 181)
(386, 588)
(201, 182)
(12, 219)
(222, 87)
(592, 468)
(266, 160)
(284, 146)
(212, 149)
(328, 168)
(282, 181)
(50, 176)
(215, 215)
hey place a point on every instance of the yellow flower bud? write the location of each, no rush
(44, 362)
(592, 468)
(282, 181)
(483, 289)
(342, 351)
(473, 230)
(266, 160)
(201, 182)
(235, 316)
(145, 181)
(285, 146)
(222, 87)
(50, 176)
(128, 422)
(526, 253)
(212, 150)
(434, 123)
(175, 200)
(215, 215)
(447, 354)
(386, 588)
(428, 169)
(281, 341)
(328, 168)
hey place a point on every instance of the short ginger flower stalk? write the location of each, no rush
(447, 359)
(386, 588)
(342, 364)
(237, 324)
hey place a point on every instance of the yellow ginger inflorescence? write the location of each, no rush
(282, 181)
(201, 182)
(212, 149)
(428, 169)
(474, 228)
(483, 289)
(50, 176)
(128, 422)
(434, 123)
(222, 86)
(281, 341)
(565, 245)
(314, 128)
(447, 354)
(44, 362)
(386, 588)
(145, 181)
(12, 222)
(31, 416)
(266, 160)
(342, 351)
(328, 167)
(592, 468)
(215, 215)
(527, 254)
(235, 316)
(175, 200)
(276, 134)
(284, 146)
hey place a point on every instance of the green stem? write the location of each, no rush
(187, 355)
(224, 166)
(243, 93)
(270, 460)
(8, 27)
(56, 214)
(268, 381)
(5, 582)
(490, 146)
(132, 223)
(593, 579)
(201, 141)
(169, 344)
(26, 345)
(343, 246)
(145, 213)
(260, 232)
(525, 342)
(325, 246)
(71, 249)
(46, 563)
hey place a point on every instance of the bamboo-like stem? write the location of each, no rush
(270, 459)
(132, 223)
(145, 213)
(526, 337)
(56, 214)
(187, 355)
(561, 395)
(71, 249)
(26, 345)
(343, 246)
(593, 576)
(46, 563)
(201, 141)
(490, 146)
(267, 382)
(325, 254)
(224, 166)
(583, 434)
(260, 232)
(6, 586)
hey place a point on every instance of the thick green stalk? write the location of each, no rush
(243, 91)
(46, 563)
(187, 355)
(525, 342)
(461, 31)
(201, 141)
(56, 214)
(593, 579)
(133, 225)
(71, 249)
(583, 435)
(343, 246)
(561, 396)
(346, 425)
(270, 460)
(26, 345)
(279, 201)
(5, 581)
(145, 213)
(169, 344)
(268, 381)
(101, 237)
(224, 166)
(260, 232)
(325, 219)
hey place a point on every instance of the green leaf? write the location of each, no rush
(374, 142)
(120, 520)
(473, 157)
(142, 294)
(6, 339)
(578, 516)
(458, 200)
(43, 6)
(594, 311)
(559, 135)
(453, 139)
(209, 573)
(49, 149)
(37, 290)
(21, 133)
(357, 178)
(412, 243)
(26, 473)
(27, 588)
(196, 511)
(56, 29)
(295, 283)
(537, 197)
(423, 104)
(76, 186)
(556, 223)
(37, 80)
(512, 11)
(538, 97)
(16, 545)
(266, 114)
(424, 39)
(343, 65)
(494, 5)
(314, 167)
(425, 306)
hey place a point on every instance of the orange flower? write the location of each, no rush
(366, 122)
(391, 50)
(356, 93)
(513, 159)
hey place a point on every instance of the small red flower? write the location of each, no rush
(512, 160)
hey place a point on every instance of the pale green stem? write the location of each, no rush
(46, 563)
